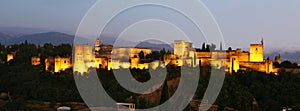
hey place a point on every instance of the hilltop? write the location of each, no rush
(57, 38)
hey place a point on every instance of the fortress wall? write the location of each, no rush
(143, 66)
(124, 65)
(100, 62)
(124, 52)
(134, 62)
(35, 61)
(203, 54)
(169, 57)
(61, 64)
(244, 56)
(219, 55)
(258, 66)
(229, 54)
(83, 58)
(203, 61)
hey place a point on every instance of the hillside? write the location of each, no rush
(4, 38)
(55, 38)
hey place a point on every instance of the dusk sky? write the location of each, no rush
(242, 22)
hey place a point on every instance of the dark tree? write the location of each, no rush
(213, 47)
(165, 93)
(221, 47)
(63, 50)
(207, 49)
(203, 47)
(295, 65)
(155, 55)
(286, 64)
(229, 49)
(168, 52)
(141, 55)
(277, 65)
(162, 53)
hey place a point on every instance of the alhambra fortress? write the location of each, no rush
(109, 57)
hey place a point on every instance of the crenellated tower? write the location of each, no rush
(97, 45)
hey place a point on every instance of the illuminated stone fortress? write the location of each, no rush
(233, 60)
(109, 57)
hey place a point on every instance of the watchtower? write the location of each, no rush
(257, 52)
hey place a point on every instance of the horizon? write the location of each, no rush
(286, 55)
(268, 50)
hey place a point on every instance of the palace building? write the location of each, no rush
(35, 60)
(233, 60)
(83, 58)
(184, 54)
(9, 57)
(56, 64)
(108, 57)
(62, 63)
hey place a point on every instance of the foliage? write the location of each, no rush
(270, 91)
(141, 55)
(165, 93)
(25, 82)
(208, 47)
(288, 64)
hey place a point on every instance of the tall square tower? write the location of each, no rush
(182, 48)
(256, 52)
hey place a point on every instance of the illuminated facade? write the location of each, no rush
(182, 48)
(35, 61)
(48, 63)
(127, 57)
(62, 63)
(277, 59)
(231, 60)
(107, 57)
(101, 62)
(256, 53)
(9, 57)
(97, 45)
(184, 54)
(83, 58)
(129, 52)
(234, 64)
(172, 59)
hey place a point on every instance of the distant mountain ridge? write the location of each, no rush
(57, 38)
(156, 46)
(22, 30)
(4, 38)
(291, 56)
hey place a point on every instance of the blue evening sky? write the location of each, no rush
(242, 22)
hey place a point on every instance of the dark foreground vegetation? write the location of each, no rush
(240, 90)
(244, 90)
